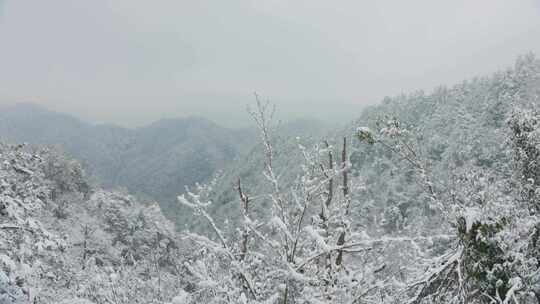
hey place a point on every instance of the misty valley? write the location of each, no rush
(423, 198)
(270, 152)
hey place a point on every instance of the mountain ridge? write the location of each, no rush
(154, 162)
(184, 150)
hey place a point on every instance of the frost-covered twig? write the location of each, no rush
(199, 207)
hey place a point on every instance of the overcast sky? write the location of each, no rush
(134, 61)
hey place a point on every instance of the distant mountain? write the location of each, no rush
(155, 161)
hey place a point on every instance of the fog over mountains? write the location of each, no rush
(270, 152)
(425, 198)
(154, 162)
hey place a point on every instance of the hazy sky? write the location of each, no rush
(135, 61)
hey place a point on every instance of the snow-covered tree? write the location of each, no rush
(305, 249)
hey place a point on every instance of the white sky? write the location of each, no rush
(131, 62)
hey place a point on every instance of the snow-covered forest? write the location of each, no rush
(425, 198)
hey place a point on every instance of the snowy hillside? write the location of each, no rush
(439, 200)
(426, 198)
(62, 242)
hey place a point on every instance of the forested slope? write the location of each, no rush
(63, 242)
(454, 127)
(435, 197)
